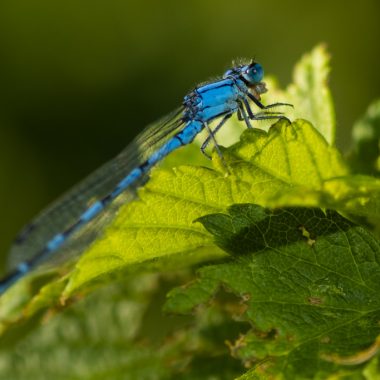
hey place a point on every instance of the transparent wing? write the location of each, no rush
(67, 209)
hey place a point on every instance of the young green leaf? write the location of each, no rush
(310, 282)
(292, 165)
(309, 93)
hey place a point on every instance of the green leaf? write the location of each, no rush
(294, 166)
(365, 158)
(310, 282)
(142, 233)
(290, 165)
(309, 93)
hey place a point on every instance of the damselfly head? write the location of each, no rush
(252, 73)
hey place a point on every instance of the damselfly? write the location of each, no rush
(71, 223)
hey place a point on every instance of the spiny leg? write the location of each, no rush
(278, 105)
(261, 115)
(211, 136)
(248, 108)
(245, 117)
(261, 105)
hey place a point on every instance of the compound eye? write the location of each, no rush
(255, 73)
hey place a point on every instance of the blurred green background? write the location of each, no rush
(79, 79)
